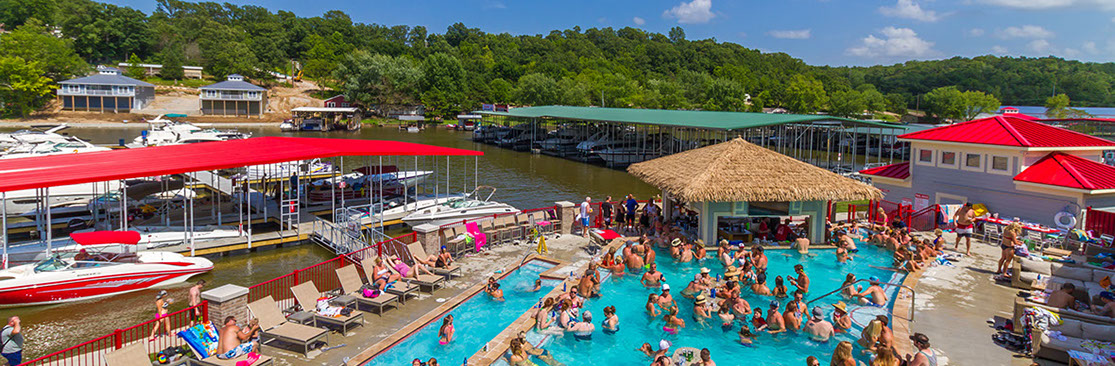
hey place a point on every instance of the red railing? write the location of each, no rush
(1099, 222)
(92, 352)
(892, 209)
(925, 219)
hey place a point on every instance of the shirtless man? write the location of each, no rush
(775, 323)
(685, 253)
(665, 300)
(964, 217)
(583, 329)
(634, 262)
(792, 318)
(1108, 308)
(695, 288)
(233, 339)
(587, 285)
(1062, 299)
(818, 328)
(760, 285)
(801, 281)
(495, 292)
(706, 358)
(652, 278)
(195, 300)
(878, 297)
(758, 259)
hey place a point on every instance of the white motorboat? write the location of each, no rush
(288, 126)
(398, 209)
(458, 209)
(34, 135)
(150, 237)
(24, 201)
(285, 170)
(167, 132)
(108, 265)
(71, 145)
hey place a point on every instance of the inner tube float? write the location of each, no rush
(1065, 219)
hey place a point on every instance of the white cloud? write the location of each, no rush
(896, 42)
(1026, 31)
(910, 10)
(638, 21)
(1070, 53)
(791, 34)
(1040, 46)
(1090, 47)
(999, 50)
(976, 32)
(1052, 4)
(693, 12)
(495, 4)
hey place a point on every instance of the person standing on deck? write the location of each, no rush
(964, 217)
(586, 219)
(195, 300)
(11, 342)
(606, 212)
(630, 205)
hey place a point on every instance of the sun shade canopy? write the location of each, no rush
(739, 171)
(106, 237)
(59, 170)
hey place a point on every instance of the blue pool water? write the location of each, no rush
(629, 297)
(476, 321)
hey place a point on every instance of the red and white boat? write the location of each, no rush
(100, 271)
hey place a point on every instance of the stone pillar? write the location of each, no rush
(225, 301)
(429, 236)
(567, 213)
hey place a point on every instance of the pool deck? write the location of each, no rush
(362, 343)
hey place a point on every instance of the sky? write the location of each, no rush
(821, 32)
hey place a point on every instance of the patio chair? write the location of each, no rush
(424, 281)
(204, 358)
(993, 233)
(452, 239)
(307, 295)
(134, 354)
(417, 251)
(402, 288)
(538, 220)
(351, 285)
(480, 238)
(274, 327)
(1036, 239)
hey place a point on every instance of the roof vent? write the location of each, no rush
(235, 77)
(105, 70)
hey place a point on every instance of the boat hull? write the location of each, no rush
(93, 285)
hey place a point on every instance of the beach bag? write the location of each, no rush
(370, 293)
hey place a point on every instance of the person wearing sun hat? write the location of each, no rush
(675, 248)
(706, 277)
(731, 274)
(841, 321)
(701, 310)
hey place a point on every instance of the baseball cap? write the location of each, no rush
(663, 344)
(920, 338)
(665, 287)
(774, 303)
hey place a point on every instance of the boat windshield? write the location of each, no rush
(465, 204)
(51, 264)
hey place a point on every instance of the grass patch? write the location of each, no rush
(843, 206)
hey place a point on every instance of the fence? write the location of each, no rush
(91, 353)
(1101, 222)
(926, 219)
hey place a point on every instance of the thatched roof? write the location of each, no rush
(738, 170)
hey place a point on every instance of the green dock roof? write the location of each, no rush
(677, 118)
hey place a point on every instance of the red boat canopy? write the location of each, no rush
(106, 237)
(59, 170)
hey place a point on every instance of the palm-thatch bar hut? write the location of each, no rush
(736, 180)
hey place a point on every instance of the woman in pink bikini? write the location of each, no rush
(445, 334)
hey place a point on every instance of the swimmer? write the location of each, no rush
(652, 306)
(583, 329)
(818, 328)
(696, 286)
(542, 317)
(760, 286)
(445, 333)
(665, 300)
(700, 253)
(874, 292)
(775, 322)
(652, 278)
(724, 253)
(758, 321)
(537, 285)
(673, 323)
(801, 281)
(745, 336)
(849, 289)
(779, 287)
(495, 292)
(611, 321)
(701, 311)
(726, 317)
(841, 321)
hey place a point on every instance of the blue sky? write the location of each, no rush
(821, 32)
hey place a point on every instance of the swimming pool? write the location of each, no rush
(476, 321)
(629, 297)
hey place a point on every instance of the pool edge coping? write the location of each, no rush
(422, 321)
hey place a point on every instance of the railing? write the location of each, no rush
(91, 353)
(926, 219)
(97, 93)
(893, 210)
(1101, 222)
(913, 294)
(229, 97)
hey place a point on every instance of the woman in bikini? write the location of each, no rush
(445, 334)
(673, 323)
(848, 288)
(611, 321)
(542, 318)
(779, 287)
(1010, 241)
(383, 275)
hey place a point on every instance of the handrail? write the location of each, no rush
(913, 294)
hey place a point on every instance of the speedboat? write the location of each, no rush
(34, 135)
(71, 145)
(288, 126)
(397, 209)
(108, 264)
(167, 132)
(150, 237)
(25, 201)
(458, 209)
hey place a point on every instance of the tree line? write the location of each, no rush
(454, 71)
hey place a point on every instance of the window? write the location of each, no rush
(330, 104)
(1000, 163)
(973, 160)
(925, 156)
(210, 93)
(948, 158)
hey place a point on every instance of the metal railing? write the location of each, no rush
(91, 353)
(913, 294)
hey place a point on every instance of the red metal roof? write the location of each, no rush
(58, 170)
(1008, 131)
(106, 237)
(1064, 170)
(896, 171)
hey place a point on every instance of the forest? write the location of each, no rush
(456, 70)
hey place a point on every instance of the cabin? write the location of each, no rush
(188, 72)
(233, 97)
(1018, 167)
(337, 101)
(105, 91)
(191, 72)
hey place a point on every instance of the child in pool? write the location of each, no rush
(757, 319)
(726, 318)
(745, 336)
(445, 334)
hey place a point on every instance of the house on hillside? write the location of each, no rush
(1017, 167)
(105, 91)
(233, 97)
(337, 101)
(189, 72)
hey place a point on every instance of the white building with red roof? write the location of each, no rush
(1017, 167)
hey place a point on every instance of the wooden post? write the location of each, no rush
(102, 104)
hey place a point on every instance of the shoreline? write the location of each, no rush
(109, 124)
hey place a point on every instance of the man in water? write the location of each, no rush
(775, 323)
(1063, 299)
(964, 217)
(633, 261)
(585, 216)
(494, 291)
(801, 281)
(652, 278)
(195, 300)
(665, 300)
(878, 297)
(234, 341)
(12, 339)
(818, 328)
(706, 358)
(583, 329)
(587, 286)
(925, 356)
(760, 286)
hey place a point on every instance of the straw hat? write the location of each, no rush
(700, 299)
(839, 305)
(723, 241)
(704, 270)
(732, 271)
(700, 242)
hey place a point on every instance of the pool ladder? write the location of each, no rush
(913, 294)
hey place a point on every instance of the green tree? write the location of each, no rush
(172, 65)
(847, 103)
(1058, 107)
(443, 79)
(805, 95)
(23, 88)
(379, 82)
(54, 55)
(500, 90)
(537, 89)
(134, 69)
(14, 13)
(977, 102)
(677, 35)
(896, 103)
(945, 102)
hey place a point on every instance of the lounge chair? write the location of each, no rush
(480, 238)
(424, 281)
(401, 288)
(307, 295)
(274, 327)
(351, 284)
(134, 354)
(206, 359)
(417, 251)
